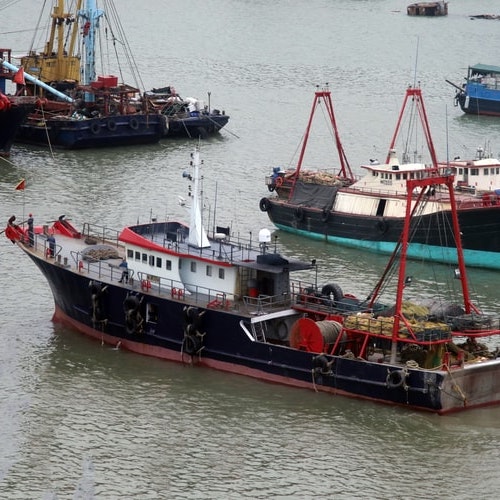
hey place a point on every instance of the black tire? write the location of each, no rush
(299, 214)
(95, 128)
(282, 330)
(265, 204)
(395, 379)
(334, 290)
(382, 226)
(133, 123)
(111, 124)
(191, 344)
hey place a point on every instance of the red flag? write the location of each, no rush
(19, 77)
(21, 185)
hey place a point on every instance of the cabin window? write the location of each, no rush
(209, 270)
(168, 265)
(412, 175)
(137, 255)
(151, 260)
(486, 171)
(221, 273)
(405, 176)
(398, 177)
(474, 171)
(158, 262)
(460, 171)
(130, 254)
(497, 170)
(193, 266)
(144, 258)
(152, 313)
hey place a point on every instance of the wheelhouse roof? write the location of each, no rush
(484, 68)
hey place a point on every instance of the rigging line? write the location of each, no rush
(127, 49)
(6, 4)
(37, 27)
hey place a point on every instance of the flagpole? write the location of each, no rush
(21, 186)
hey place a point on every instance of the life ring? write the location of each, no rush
(111, 124)
(279, 181)
(265, 204)
(95, 127)
(325, 214)
(133, 123)
(395, 379)
(299, 214)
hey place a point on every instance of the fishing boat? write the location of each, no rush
(428, 9)
(178, 292)
(13, 108)
(369, 212)
(100, 111)
(187, 117)
(480, 94)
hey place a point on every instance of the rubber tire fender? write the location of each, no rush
(265, 204)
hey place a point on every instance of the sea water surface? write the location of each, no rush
(83, 420)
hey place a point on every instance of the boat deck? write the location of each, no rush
(98, 253)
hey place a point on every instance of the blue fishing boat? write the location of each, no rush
(480, 94)
(220, 300)
(187, 117)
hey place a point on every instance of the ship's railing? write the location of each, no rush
(102, 234)
(263, 304)
(43, 245)
(401, 176)
(224, 248)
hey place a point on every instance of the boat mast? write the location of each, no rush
(90, 20)
(197, 234)
(416, 95)
(345, 171)
(434, 176)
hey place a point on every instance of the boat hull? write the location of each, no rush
(227, 347)
(488, 103)
(195, 127)
(480, 228)
(112, 131)
(10, 122)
